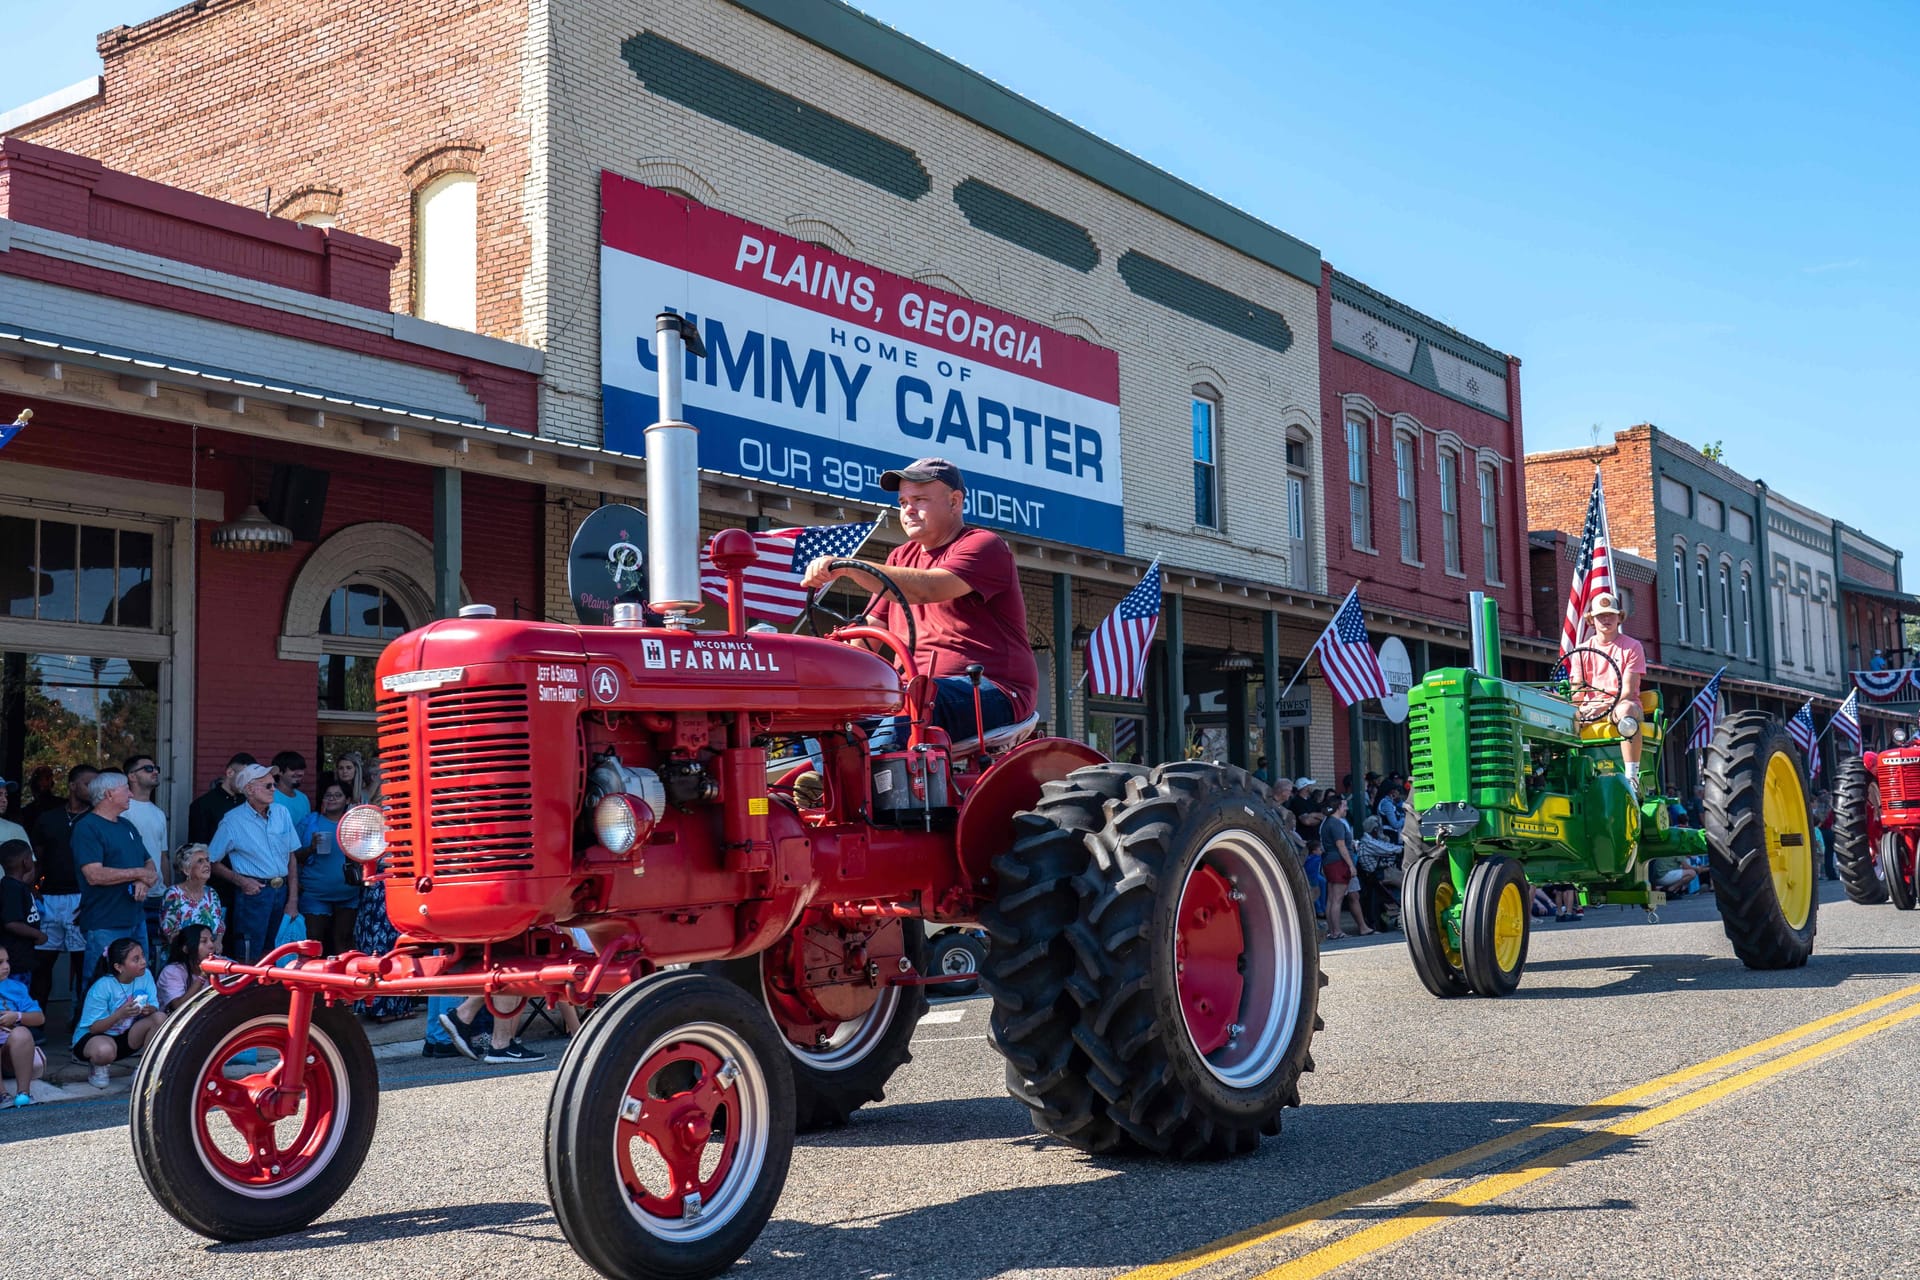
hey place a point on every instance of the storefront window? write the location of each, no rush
(60, 710)
(68, 572)
(358, 621)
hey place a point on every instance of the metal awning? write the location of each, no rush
(1907, 602)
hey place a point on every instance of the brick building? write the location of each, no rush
(187, 362)
(1424, 489)
(484, 138)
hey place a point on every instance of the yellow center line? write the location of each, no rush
(1440, 1167)
(1428, 1213)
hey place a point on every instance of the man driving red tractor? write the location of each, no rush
(964, 589)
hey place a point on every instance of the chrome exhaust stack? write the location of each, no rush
(673, 481)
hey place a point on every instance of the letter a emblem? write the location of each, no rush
(606, 685)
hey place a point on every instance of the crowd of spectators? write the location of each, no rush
(106, 918)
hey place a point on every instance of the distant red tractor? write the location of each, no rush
(1153, 963)
(1876, 824)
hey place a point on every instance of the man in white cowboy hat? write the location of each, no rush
(1595, 682)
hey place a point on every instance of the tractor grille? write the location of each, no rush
(479, 794)
(1420, 746)
(1493, 745)
(396, 787)
(1899, 783)
(475, 803)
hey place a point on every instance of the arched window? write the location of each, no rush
(1359, 490)
(1680, 592)
(1726, 609)
(1781, 599)
(1746, 611)
(1705, 600)
(1450, 508)
(446, 251)
(1406, 473)
(1806, 627)
(1490, 523)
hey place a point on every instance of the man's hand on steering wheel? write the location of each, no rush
(1593, 703)
(825, 569)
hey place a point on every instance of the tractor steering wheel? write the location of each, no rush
(887, 585)
(1587, 698)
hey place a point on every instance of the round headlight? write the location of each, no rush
(363, 833)
(1900, 735)
(621, 821)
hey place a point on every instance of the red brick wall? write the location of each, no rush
(1559, 484)
(293, 106)
(1866, 572)
(247, 697)
(1387, 580)
(1553, 582)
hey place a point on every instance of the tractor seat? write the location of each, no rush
(1649, 704)
(1001, 739)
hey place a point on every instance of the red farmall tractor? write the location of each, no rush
(1876, 824)
(1153, 965)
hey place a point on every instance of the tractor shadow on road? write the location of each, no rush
(1691, 971)
(1059, 1208)
(520, 1219)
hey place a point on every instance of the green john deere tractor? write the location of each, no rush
(1523, 782)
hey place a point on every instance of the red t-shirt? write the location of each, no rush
(988, 625)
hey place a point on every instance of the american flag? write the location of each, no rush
(1592, 571)
(1705, 705)
(1846, 721)
(7, 433)
(773, 587)
(1346, 656)
(1800, 729)
(1117, 650)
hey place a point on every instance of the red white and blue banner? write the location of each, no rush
(1883, 686)
(822, 372)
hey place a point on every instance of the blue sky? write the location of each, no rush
(1694, 214)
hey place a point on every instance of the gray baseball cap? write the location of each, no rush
(922, 472)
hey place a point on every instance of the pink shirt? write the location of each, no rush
(1595, 674)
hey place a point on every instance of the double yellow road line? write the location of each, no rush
(1409, 1217)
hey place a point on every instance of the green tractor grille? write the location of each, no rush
(1490, 775)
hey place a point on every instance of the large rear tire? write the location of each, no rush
(210, 1155)
(1030, 961)
(839, 1066)
(1856, 810)
(670, 1129)
(1426, 890)
(1896, 862)
(1760, 842)
(1198, 972)
(1495, 926)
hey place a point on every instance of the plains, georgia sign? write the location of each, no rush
(822, 372)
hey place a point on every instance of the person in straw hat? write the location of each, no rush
(1595, 682)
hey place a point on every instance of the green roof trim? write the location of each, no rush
(1384, 309)
(701, 84)
(1207, 303)
(847, 33)
(1000, 213)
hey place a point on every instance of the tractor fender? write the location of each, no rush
(1012, 783)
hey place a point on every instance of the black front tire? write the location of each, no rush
(1746, 831)
(957, 951)
(1897, 862)
(1426, 891)
(1494, 889)
(589, 1178)
(193, 1174)
(1856, 805)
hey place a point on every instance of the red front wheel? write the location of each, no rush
(232, 1141)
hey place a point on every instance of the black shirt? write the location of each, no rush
(53, 845)
(204, 814)
(18, 907)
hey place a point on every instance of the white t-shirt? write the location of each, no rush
(150, 820)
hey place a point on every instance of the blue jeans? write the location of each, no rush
(98, 940)
(952, 711)
(256, 922)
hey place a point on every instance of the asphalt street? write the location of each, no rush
(1643, 1106)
